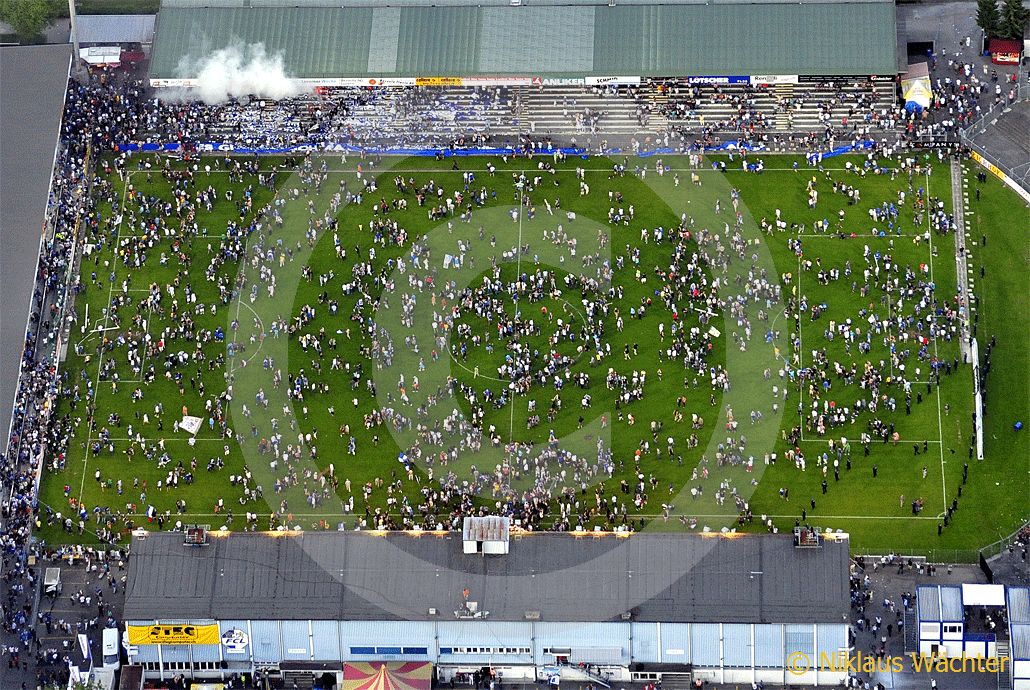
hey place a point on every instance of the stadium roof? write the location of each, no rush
(545, 38)
(115, 28)
(362, 576)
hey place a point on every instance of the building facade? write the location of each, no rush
(1018, 602)
(728, 608)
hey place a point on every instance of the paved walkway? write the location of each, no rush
(1006, 141)
(963, 272)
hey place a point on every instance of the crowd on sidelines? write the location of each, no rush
(90, 120)
(962, 93)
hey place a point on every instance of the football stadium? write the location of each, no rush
(378, 344)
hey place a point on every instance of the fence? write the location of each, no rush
(985, 120)
(1017, 177)
(993, 549)
(934, 556)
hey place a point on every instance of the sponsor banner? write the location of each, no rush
(842, 77)
(173, 634)
(774, 79)
(326, 82)
(235, 641)
(559, 81)
(734, 79)
(883, 77)
(359, 81)
(173, 83)
(439, 81)
(1005, 58)
(600, 81)
(997, 172)
(498, 81)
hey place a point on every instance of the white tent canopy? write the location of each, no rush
(983, 595)
(915, 85)
(918, 91)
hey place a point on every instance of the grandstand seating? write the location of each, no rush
(576, 110)
(778, 108)
(441, 116)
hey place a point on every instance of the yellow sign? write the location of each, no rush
(987, 164)
(173, 634)
(439, 81)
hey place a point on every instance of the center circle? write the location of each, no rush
(518, 327)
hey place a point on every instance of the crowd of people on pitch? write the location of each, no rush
(541, 485)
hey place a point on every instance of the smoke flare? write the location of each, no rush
(236, 71)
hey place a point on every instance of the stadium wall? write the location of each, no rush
(529, 650)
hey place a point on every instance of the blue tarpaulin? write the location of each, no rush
(210, 146)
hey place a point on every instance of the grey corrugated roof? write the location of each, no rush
(951, 603)
(928, 601)
(115, 28)
(360, 576)
(466, 3)
(1020, 642)
(1019, 604)
(567, 38)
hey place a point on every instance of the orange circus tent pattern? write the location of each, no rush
(386, 675)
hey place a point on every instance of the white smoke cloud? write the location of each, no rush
(236, 71)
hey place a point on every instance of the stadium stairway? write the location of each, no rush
(301, 680)
(1004, 652)
(576, 110)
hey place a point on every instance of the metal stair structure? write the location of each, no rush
(911, 632)
(1005, 677)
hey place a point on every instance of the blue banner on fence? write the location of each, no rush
(814, 158)
(218, 147)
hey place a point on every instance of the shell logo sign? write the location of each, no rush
(173, 634)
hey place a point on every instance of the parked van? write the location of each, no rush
(111, 650)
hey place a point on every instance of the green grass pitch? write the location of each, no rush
(350, 356)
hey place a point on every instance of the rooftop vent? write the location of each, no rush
(486, 535)
(196, 535)
(470, 609)
(806, 538)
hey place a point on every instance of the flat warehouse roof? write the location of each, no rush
(573, 38)
(363, 576)
(34, 80)
(116, 28)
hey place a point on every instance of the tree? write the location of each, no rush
(987, 16)
(27, 17)
(1013, 19)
